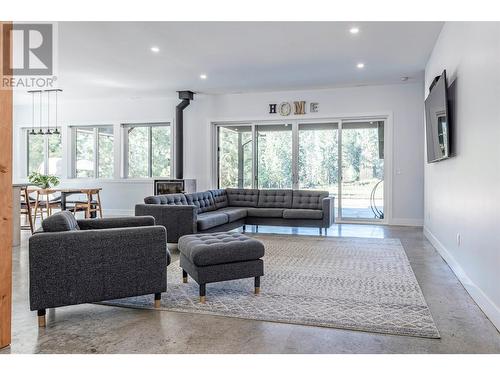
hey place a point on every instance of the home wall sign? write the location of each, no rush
(298, 107)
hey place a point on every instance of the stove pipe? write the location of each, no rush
(186, 97)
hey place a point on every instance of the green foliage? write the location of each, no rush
(138, 157)
(274, 158)
(318, 160)
(36, 153)
(42, 180)
(105, 151)
(85, 152)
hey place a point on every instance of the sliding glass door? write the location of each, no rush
(274, 156)
(362, 173)
(345, 158)
(235, 156)
(318, 157)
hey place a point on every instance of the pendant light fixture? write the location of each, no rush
(40, 131)
(48, 130)
(56, 131)
(32, 131)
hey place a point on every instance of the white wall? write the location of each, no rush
(405, 103)
(462, 193)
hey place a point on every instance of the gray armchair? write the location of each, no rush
(73, 262)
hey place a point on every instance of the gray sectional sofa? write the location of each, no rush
(225, 209)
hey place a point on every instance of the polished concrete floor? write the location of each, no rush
(103, 329)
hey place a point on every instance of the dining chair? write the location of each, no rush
(91, 205)
(27, 204)
(46, 201)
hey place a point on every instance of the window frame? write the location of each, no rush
(385, 116)
(95, 131)
(125, 148)
(46, 151)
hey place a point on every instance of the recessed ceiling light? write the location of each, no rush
(404, 79)
(155, 49)
(203, 76)
(354, 30)
(360, 65)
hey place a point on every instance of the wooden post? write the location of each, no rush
(5, 202)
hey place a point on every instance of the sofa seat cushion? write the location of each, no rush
(204, 201)
(60, 222)
(220, 248)
(298, 213)
(234, 213)
(209, 220)
(265, 212)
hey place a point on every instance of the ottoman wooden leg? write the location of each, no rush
(41, 318)
(184, 276)
(257, 285)
(203, 291)
(157, 300)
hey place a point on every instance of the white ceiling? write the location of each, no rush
(114, 58)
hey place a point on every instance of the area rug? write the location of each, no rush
(349, 283)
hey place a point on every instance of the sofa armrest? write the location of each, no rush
(82, 266)
(328, 205)
(116, 222)
(178, 219)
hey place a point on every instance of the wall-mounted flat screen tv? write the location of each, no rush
(437, 124)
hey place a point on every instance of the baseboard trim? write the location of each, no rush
(489, 308)
(407, 222)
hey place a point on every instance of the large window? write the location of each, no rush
(345, 158)
(318, 161)
(147, 150)
(362, 190)
(235, 153)
(44, 153)
(274, 156)
(93, 151)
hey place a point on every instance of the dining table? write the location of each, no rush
(64, 192)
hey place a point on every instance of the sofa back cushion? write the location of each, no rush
(275, 198)
(242, 197)
(60, 222)
(220, 198)
(204, 201)
(168, 199)
(308, 199)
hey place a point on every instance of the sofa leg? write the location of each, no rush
(256, 229)
(184, 277)
(203, 291)
(326, 231)
(320, 231)
(257, 285)
(41, 318)
(244, 228)
(157, 300)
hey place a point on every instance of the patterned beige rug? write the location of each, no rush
(349, 283)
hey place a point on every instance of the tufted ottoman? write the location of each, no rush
(213, 257)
